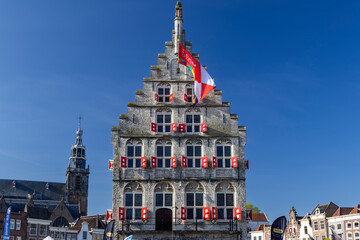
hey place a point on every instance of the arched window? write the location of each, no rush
(60, 222)
(163, 195)
(134, 153)
(164, 92)
(356, 225)
(225, 200)
(194, 197)
(193, 120)
(189, 92)
(163, 153)
(356, 235)
(223, 153)
(163, 120)
(193, 153)
(349, 236)
(133, 201)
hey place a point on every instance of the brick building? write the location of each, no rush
(39, 206)
(178, 171)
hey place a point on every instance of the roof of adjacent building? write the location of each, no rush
(259, 217)
(262, 227)
(328, 209)
(93, 221)
(342, 211)
(356, 209)
(38, 212)
(36, 188)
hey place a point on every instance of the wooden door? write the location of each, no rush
(163, 219)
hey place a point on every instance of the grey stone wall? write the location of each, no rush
(222, 126)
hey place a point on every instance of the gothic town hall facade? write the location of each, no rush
(178, 171)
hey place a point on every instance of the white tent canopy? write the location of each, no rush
(48, 238)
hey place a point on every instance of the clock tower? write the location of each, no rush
(77, 175)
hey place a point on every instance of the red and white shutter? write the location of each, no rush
(111, 164)
(173, 127)
(183, 213)
(153, 127)
(184, 161)
(156, 97)
(121, 213)
(185, 97)
(144, 214)
(153, 162)
(171, 97)
(108, 214)
(246, 164)
(204, 162)
(173, 162)
(206, 213)
(214, 162)
(234, 162)
(123, 162)
(203, 127)
(237, 213)
(214, 213)
(143, 162)
(181, 127)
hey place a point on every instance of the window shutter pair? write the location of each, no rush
(108, 215)
(248, 214)
(173, 162)
(144, 214)
(183, 213)
(123, 162)
(184, 161)
(204, 162)
(214, 213)
(237, 213)
(214, 162)
(181, 127)
(234, 162)
(121, 213)
(111, 164)
(203, 127)
(153, 162)
(185, 97)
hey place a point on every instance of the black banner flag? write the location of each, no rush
(109, 230)
(278, 228)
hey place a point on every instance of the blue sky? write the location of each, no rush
(289, 68)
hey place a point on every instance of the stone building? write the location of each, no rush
(178, 171)
(292, 231)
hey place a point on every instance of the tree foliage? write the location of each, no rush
(254, 209)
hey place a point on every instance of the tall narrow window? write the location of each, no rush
(225, 201)
(12, 224)
(316, 226)
(322, 225)
(134, 154)
(163, 122)
(18, 224)
(189, 93)
(164, 94)
(163, 195)
(163, 154)
(194, 200)
(193, 123)
(133, 201)
(223, 154)
(193, 154)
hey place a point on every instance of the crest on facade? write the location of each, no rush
(134, 141)
(194, 187)
(195, 141)
(223, 141)
(165, 141)
(133, 187)
(163, 187)
(224, 187)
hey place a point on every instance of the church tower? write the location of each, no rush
(178, 171)
(77, 175)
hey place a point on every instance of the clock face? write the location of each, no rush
(78, 161)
